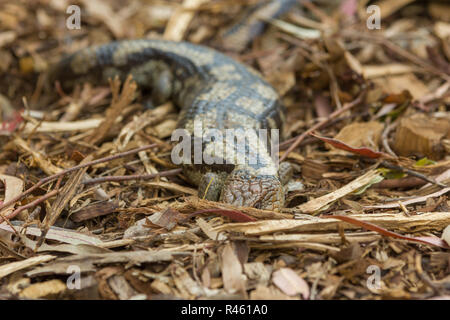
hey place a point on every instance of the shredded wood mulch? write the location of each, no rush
(91, 200)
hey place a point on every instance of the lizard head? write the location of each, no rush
(247, 189)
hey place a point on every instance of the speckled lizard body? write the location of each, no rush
(210, 88)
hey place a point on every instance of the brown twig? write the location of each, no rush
(412, 173)
(320, 124)
(384, 138)
(306, 141)
(334, 86)
(309, 140)
(120, 100)
(132, 177)
(66, 171)
(407, 182)
(399, 51)
(31, 204)
(6, 218)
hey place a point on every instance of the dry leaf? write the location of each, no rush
(358, 138)
(13, 187)
(232, 274)
(399, 83)
(290, 283)
(167, 219)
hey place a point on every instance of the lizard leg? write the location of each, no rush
(285, 172)
(210, 186)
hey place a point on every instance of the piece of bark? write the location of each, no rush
(360, 134)
(313, 169)
(424, 222)
(93, 211)
(232, 272)
(421, 135)
(50, 289)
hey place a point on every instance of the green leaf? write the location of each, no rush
(424, 162)
(391, 174)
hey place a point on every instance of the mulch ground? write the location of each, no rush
(91, 199)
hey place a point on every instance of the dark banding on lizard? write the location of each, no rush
(212, 90)
(253, 23)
